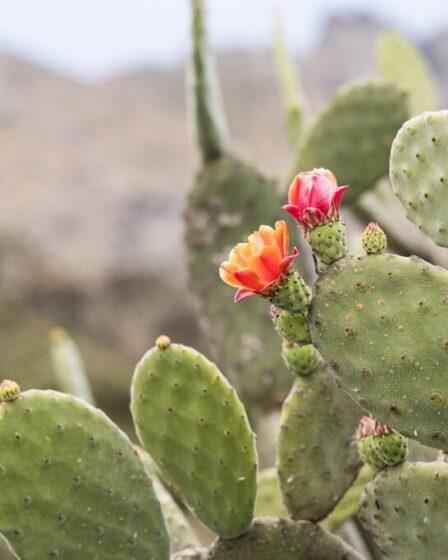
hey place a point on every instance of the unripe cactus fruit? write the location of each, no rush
(293, 327)
(328, 241)
(378, 445)
(292, 293)
(300, 360)
(374, 239)
(191, 421)
(9, 391)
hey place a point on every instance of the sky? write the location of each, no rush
(91, 39)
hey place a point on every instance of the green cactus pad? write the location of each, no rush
(293, 327)
(300, 360)
(404, 508)
(272, 538)
(380, 321)
(352, 136)
(374, 240)
(230, 200)
(190, 420)
(317, 462)
(419, 173)
(71, 484)
(401, 62)
(328, 241)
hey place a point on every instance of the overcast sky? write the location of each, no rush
(93, 38)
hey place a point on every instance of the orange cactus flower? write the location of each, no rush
(257, 266)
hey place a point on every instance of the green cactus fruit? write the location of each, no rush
(293, 327)
(68, 366)
(300, 360)
(380, 322)
(9, 391)
(190, 420)
(71, 484)
(317, 462)
(294, 98)
(374, 240)
(380, 446)
(419, 173)
(180, 531)
(269, 498)
(347, 508)
(292, 294)
(353, 134)
(402, 63)
(404, 510)
(276, 538)
(328, 241)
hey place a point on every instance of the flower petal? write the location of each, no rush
(282, 237)
(288, 260)
(300, 189)
(293, 210)
(243, 293)
(248, 279)
(337, 199)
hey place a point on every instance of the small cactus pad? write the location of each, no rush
(374, 240)
(300, 360)
(380, 321)
(317, 462)
(229, 200)
(419, 173)
(404, 508)
(328, 241)
(293, 327)
(352, 136)
(272, 538)
(190, 420)
(402, 63)
(71, 484)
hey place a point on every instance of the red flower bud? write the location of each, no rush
(314, 198)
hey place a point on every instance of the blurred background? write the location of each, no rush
(95, 156)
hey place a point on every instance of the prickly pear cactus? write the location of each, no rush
(317, 462)
(192, 423)
(353, 134)
(371, 319)
(419, 173)
(404, 509)
(71, 484)
(228, 199)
